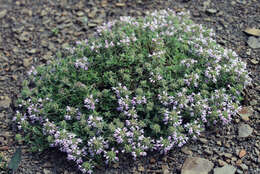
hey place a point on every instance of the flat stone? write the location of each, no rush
(80, 14)
(120, 4)
(254, 42)
(252, 31)
(3, 13)
(27, 62)
(194, 165)
(203, 140)
(92, 24)
(227, 169)
(244, 130)
(227, 155)
(5, 102)
(212, 11)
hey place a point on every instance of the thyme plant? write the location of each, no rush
(140, 85)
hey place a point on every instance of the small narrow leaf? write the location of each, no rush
(16, 158)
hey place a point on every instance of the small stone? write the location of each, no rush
(92, 25)
(244, 130)
(252, 31)
(116, 165)
(5, 102)
(51, 46)
(120, 4)
(254, 42)
(212, 11)
(3, 13)
(238, 162)
(47, 171)
(242, 153)
(203, 140)
(32, 51)
(152, 160)
(140, 168)
(243, 166)
(47, 56)
(44, 13)
(207, 151)
(245, 113)
(227, 169)
(104, 3)
(253, 102)
(194, 165)
(233, 2)
(165, 169)
(27, 62)
(219, 143)
(227, 155)
(221, 163)
(92, 14)
(80, 13)
(196, 14)
(186, 151)
(25, 36)
(98, 21)
(254, 61)
(239, 171)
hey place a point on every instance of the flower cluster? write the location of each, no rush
(90, 102)
(82, 63)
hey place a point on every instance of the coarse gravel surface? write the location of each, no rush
(33, 31)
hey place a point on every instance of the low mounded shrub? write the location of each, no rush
(140, 85)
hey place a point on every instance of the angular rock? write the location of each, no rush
(227, 169)
(194, 165)
(3, 13)
(252, 31)
(244, 130)
(5, 102)
(242, 153)
(254, 42)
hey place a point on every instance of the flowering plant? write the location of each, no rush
(141, 85)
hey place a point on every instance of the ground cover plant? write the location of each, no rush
(140, 85)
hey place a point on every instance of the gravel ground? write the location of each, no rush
(32, 31)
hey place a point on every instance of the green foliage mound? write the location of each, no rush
(140, 85)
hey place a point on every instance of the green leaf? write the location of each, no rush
(16, 158)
